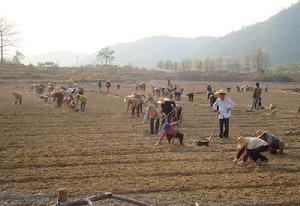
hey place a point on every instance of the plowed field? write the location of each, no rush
(43, 148)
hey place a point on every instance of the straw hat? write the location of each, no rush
(134, 94)
(127, 99)
(151, 108)
(272, 106)
(242, 141)
(162, 100)
(260, 133)
(221, 91)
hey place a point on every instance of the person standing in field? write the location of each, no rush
(266, 87)
(108, 85)
(209, 90)
(223, 107)
(58, 96)
(256, 97)
(99, 86)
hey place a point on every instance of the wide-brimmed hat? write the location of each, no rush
(134, 94)
(150, 108)
(221, 91)
(260, 133)
(127, 99)
(242, 141)
(162, 100)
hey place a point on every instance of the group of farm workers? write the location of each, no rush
(248, 147)
(170, 114)
(164, 113)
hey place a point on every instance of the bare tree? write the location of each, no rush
(18, 57)
(105, 56)
(261, 59)
(7, 36)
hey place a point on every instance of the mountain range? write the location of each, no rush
(279, 36)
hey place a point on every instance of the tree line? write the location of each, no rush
(256, 60)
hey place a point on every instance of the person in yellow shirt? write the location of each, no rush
(82, 100)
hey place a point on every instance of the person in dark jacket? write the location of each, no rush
(108, 85)
(256, 97)
(209, 90)
(190, 96)
(59, 98)
(168, 108)
(99, 86)
(276, 144)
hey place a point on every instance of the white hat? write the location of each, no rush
(162, 100)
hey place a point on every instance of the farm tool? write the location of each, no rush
(62, 199)
(205, 141)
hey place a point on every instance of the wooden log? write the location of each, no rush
(122, 198)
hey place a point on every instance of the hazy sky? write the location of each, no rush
(88, 25)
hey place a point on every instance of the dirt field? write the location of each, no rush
(43, 148)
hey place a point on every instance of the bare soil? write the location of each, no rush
(43, 148)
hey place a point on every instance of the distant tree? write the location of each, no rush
(236, 65)
(209, 64)
(105, 56)
(186, 64)
(261, 59)
(247, 63)
(198, 64)
(7, 36)
(219, 63)
(160, 65)
(168, 65)
(18, 57)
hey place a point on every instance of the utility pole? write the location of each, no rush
(77, 60)
(175, 65)
(1, 46)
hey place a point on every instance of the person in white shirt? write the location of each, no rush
(223, 106)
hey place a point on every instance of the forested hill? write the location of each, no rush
(279, 36)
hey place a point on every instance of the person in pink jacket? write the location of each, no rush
(134, 103)
(251, 147)
(170, 130)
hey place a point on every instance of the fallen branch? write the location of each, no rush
(89, 200)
